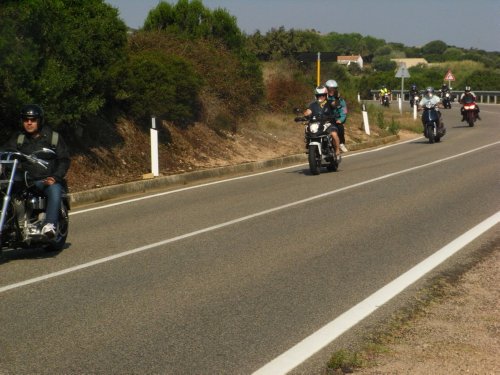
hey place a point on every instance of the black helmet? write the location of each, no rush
(33, 111)
(413, 86)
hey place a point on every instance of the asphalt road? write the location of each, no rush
(222, 278)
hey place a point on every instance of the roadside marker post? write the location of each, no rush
(365, 119)
(154, 148)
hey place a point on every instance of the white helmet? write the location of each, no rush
(331, 83)
(320, 90)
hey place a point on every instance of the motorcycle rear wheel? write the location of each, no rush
(314, 160)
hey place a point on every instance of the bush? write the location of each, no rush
(160, 84)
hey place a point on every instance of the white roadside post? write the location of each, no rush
(154, 148)
(415, 105)
(365, 119)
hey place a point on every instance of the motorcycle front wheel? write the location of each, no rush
(62, 230)
(314, 160)
(430, 133)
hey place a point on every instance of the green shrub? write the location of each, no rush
(160, 84)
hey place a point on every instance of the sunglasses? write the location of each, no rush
(32, 119)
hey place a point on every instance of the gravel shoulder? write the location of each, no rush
(457, 333)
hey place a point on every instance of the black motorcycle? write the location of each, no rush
(318, 140)
(414, 98)
(386, 100)
(446, 99)
(432, 129)
(24, 206)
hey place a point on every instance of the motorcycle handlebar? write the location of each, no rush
(8, 155)
(308, 118)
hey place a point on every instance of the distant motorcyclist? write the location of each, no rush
(470, 95)
(445, 89)
(33, 137)
(434, 100)
(340, 108)
(383, 92)
(413, 93)
(321, 108)
(413, 90)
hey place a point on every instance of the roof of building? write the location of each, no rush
(351, 58)
(411, 61)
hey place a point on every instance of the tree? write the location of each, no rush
(59, 53)
(383, 63)
(193, 21)
(436, 47)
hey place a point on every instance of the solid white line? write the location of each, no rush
(325, 335)
(227, 223)
(227, 180)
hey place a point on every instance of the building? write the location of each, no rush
(410, 62)
(348, 60)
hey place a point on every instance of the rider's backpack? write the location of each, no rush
(53, 141)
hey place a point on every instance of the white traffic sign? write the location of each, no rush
(449, 76)
(402, 72)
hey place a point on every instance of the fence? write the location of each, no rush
(492, 97)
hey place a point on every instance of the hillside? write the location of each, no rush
(193, 148)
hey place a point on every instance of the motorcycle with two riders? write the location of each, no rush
(319, 120)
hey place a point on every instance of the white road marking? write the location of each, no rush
(325, 335)
(228, 223)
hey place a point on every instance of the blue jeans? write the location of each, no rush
(53, 193)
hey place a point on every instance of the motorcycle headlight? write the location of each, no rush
(314, 127)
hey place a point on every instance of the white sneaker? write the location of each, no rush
(49, 230)
(343, 148)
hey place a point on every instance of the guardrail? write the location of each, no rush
(492, 97)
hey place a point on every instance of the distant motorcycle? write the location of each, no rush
(470, 109)
(24, 206)
(432, 130)
(414, 99)
(318, 140)
(385, 100)
(446, 99)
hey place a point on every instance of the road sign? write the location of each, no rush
(449, 76)
(402, 72)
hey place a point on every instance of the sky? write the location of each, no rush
(460, 23)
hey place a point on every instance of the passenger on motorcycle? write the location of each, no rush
(33, 137)
(435, 100)
(321, 107)
(470, 94)
(340, 108)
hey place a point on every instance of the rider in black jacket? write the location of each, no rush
(33, 137)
